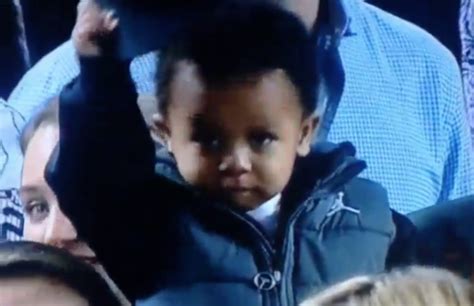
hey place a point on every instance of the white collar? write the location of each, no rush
(267, 209)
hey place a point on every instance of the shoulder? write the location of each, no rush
(45, 79)
(362, 186)
(53, 67)
(399, 40)
(360, 190)
(59, 67)
(371, 199)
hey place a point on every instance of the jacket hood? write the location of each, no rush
(325, 170)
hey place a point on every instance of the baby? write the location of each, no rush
(253, 213)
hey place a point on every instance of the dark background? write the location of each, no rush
(439, 17)
(13, 56)
(48, 23)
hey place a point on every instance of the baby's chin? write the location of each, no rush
(239, 198)
(246, 200)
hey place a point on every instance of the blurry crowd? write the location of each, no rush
(229, 152)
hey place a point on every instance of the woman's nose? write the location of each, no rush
(59, 232)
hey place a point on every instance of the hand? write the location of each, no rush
(92, 23)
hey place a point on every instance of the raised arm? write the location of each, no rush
(103, 171)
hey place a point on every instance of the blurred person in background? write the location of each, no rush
(44, 220)
(11, 217)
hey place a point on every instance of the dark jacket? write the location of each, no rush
(165, 243)
(445, 235)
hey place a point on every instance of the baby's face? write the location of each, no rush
(238, 141)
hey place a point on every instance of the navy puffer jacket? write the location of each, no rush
(166, 244)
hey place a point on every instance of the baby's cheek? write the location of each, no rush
(275, 174)
(185, 156)
(198, 170)
(188, 171)
(208, 173)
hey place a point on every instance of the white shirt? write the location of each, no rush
(11, 160)
(267, 215)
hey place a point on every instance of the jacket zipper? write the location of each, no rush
(271, 297)
(275, 261)
(280, 259)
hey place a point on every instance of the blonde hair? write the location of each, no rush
(415, 286)
(48, 115)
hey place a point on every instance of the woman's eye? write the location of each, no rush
(37, 210)
(262, 140)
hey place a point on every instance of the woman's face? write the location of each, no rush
(44, 220)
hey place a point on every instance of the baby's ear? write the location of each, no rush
(160, 131)
(308, 128)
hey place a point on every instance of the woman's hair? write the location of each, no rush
(48, 114)
(240, 41)
(415, 286)
(29, 259)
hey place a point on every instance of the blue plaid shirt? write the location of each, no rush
(11, 218)
(466, 23)
(401, 103)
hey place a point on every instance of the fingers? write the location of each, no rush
(109, 21)
(97, 19)
(86, 6)
(92, 24)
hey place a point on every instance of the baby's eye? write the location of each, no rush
(208, 141)
(211, 144)
(37, 210)
(261, 140)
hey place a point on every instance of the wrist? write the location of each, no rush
(99, 75)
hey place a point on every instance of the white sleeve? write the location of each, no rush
(11, 217)
(45, 80)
